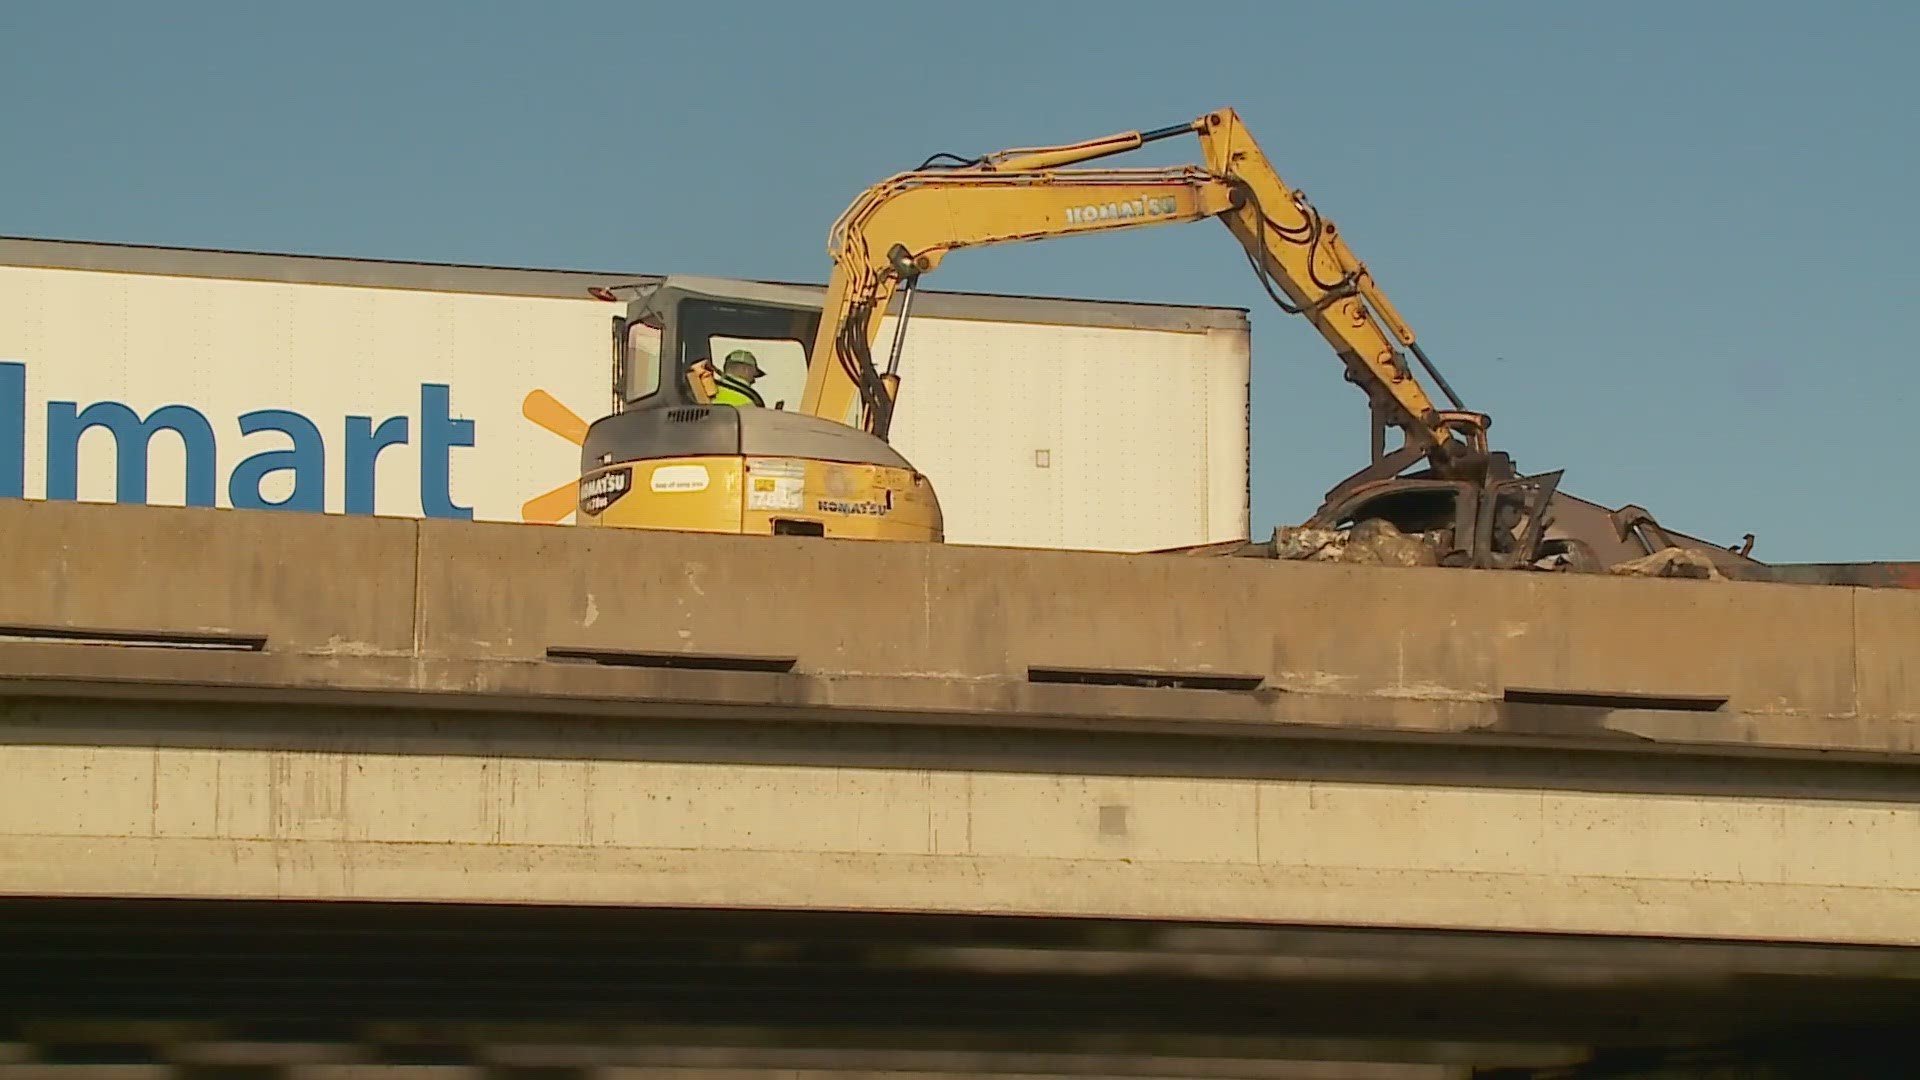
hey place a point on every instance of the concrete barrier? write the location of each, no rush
(459, 604)
(850, 608)
(1887, 653)
(307, 582)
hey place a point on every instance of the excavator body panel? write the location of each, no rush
(723, 469)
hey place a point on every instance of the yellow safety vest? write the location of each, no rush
(732, 393)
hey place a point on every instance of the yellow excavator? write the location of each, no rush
(722, 468)
(692, 445)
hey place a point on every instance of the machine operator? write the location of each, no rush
(735, 382)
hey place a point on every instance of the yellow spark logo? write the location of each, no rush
(546, 411)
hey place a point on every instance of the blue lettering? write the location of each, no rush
(131, 436)
(307, 460)
(364, 444)
(438, 436)
(13, 431)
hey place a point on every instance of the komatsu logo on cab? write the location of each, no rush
(1152, 206)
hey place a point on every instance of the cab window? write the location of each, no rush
(777, 337)
(642, 360)
(783, 360)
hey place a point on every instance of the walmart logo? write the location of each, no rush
(553, 506)
(304, 455)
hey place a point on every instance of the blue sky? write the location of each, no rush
(1667, 246)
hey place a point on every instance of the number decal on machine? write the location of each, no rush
(776, 485)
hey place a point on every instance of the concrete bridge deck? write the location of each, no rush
(229, 707)
(298, 706)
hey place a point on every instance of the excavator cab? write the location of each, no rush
(678, 454)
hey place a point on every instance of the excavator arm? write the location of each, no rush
(904, 226)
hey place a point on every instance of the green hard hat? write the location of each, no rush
(742, 356)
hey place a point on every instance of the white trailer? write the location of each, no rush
(187, 377)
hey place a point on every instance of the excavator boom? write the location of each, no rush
(904, 226)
